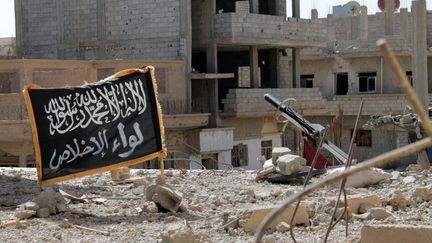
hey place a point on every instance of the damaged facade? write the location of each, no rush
(215, 60)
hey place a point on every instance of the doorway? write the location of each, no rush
(209, 161)
(341, 83)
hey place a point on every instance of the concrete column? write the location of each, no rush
(213, 89)
(254, 6)
(212, 64)
(101, 28)
(314, 14)
(419, 56)
(253, 66)
(364, 23)
(331, 35)
(404, 24)
(22, 160)
(389, 17)
(18, 29)
(60, 31)
(296, 67)
(296, 8)
(186, 40)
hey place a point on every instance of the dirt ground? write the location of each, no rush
(210, 200)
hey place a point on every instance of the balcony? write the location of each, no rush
(251, 103)
(267, 30)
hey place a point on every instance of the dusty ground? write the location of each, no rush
(210, 197)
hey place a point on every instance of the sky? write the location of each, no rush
(7, 12)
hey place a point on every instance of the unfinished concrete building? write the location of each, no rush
(215, 59)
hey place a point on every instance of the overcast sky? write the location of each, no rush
(7, 12)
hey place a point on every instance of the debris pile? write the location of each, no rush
(48, 202)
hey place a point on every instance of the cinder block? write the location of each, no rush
(396, 233)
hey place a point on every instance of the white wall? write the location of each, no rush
(254, 151)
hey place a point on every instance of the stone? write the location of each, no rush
(278, 152)
(50, 199)
(409, 179)
(398, 200)
(150, 207)
(166, 198)
(422, 194)
(120, 174)
(65, 224)
(289, 164)
(340, 211)
(396, 233)
(257, 216)
(20, 225)
(139, 190)
(43, 212)
(354, 202)
(364, 207)
(24, 214)
(379, 213)
(283, 227)
(31, 206)
(61, 207)
(139, 182)
(183, 234)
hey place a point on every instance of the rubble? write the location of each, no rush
(24, 214)
(52, 200)
(257, 215)
(225, 206)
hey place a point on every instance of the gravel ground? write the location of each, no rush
(210, 199)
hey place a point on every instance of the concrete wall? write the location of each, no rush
(98, 29)
(324, 71)
(53, 73)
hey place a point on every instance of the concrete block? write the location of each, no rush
(120, 174)
(396, 233)
(252, 223)
(289, 164)
(355, 202)
(278, 152)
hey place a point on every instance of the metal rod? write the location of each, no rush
(309, 175)
(342, 186)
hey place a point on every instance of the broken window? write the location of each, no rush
(409, 77)
(306, 81)
(239, 155)
(363, 138)
(367, 82)
(266, 148)
(341, 83)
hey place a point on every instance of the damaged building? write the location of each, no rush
(215, 60)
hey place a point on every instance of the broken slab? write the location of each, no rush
(354, 202)
(363, 178)
(24, 214)
(396, 233)
(120, 174)
(289, 164)
(257, 216)
(278, 152)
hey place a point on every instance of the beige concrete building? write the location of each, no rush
(215, 60)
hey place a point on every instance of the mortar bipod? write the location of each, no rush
(312, 131)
